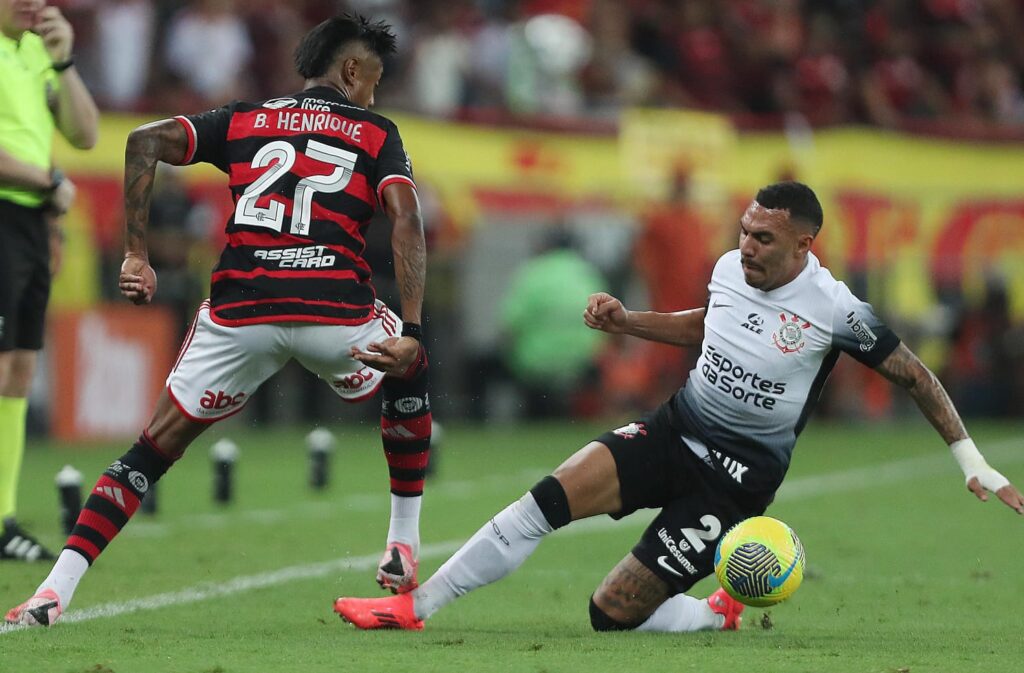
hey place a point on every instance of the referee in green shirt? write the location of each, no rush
(39, 91)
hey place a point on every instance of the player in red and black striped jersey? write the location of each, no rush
(306, 172)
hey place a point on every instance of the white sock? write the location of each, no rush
(683, 613)
(498, 548)
(66, 574)
(405, 521)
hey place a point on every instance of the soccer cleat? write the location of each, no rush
(393, 612)
(18, 545)
(727, 606)
(397, 570)
(43, 609)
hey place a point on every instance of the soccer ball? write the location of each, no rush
(760, 561)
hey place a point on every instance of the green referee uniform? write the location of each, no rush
(26, 123)
(26, 133)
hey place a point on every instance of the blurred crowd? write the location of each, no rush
(934, 65)
(881, 62)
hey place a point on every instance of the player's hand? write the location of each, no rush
(58, 37)
(393, 356)
(1008, 493)
(606, 313)
(137, 280)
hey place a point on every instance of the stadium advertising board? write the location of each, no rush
(907, 218)
(107, 368)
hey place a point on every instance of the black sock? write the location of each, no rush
(115, 498)
(405, 423)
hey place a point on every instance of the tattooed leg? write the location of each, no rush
(630, 593)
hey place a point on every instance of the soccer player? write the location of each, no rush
(306, 172)
(716, 452)
(39, 90)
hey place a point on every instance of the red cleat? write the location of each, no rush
(397, 570)
(727, 606)
(43, 609)
(393, 612)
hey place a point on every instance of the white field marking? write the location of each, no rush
(1004, 452)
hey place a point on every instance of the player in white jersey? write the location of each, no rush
(714, 454)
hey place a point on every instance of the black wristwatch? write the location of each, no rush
(63, 65)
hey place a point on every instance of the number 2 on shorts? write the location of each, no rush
(696, 537)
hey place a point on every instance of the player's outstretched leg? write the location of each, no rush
(112, 502)
(494, 551)
(405, 424)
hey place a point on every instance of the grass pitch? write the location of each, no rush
(906, 571)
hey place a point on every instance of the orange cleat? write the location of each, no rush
(727, 606)
(397, 569)
(393, 612)
(43, 609)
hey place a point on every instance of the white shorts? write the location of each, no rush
(219, 368)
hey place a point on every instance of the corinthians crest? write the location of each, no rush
(789, 337)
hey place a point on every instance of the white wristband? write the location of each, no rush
(973, 464)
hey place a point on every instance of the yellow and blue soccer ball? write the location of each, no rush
(760, 561)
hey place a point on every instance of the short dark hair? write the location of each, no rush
(319, 47)
(796, 197)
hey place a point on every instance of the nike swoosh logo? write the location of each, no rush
(717, 305)
(776, 582)
(664, 564)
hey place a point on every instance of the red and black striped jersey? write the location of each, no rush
(306, 173)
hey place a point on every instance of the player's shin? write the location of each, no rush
(498, 548)
(113, 501)
(405, 434)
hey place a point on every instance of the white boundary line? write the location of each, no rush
(1002, 453)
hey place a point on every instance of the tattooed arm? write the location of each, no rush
(903, 368)
(408, 247)
(396, 356)
(159, 141)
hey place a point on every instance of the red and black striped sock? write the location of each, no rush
(405, 428)
(115, 498)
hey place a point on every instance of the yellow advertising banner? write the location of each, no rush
(910, 216)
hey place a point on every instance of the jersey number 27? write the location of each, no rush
(273, 215)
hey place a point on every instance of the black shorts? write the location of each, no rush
(24, 276)
(657, 470)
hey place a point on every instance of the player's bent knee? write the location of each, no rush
(552, 501)
(600, 621)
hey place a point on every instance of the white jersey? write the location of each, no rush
(763, 362)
